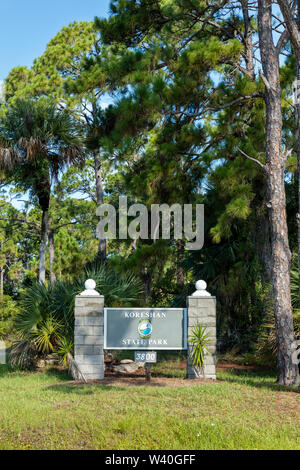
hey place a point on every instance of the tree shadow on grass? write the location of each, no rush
(82, 388)
(11, 373)
(7, 371)
(67, 385)
(56, 373)
(115, 382)
(265, 379)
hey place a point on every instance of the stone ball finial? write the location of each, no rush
(201, 285)
(201, 289)
(90, 285)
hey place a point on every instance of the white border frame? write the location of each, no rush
(185, 319)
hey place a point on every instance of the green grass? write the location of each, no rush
(242, 411)
(168, 368)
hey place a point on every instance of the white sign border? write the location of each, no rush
(185, 319)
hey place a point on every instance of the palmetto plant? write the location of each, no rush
(37, 140)
(118, 289)
(266, 346)
(199, 339)
(40, 332)
(45, 323)
(295, 287)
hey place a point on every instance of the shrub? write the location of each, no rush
(8, 311)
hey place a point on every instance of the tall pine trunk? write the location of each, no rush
(51, 257)
(100, 199)
(179, 261)
(1, 277)
(43, 245)
(1, 283)
(297, 103)
(275, 165)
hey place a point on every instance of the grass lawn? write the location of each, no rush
(242, 410)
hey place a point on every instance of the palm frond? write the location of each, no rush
(35, 308)
(22, 355)
(9, 158)
(38, 130)
(47, 336)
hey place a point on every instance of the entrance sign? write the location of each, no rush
(148, 356)
(145, 328)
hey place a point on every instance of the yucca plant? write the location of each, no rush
(199, 339)
(47, 337)
(65, 349)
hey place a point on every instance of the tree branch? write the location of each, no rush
(22, 221)
(288, 11)
(252, 159)
(264, 79)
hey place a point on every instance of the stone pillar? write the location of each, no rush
(2, 352)
(201, 308)
(89, 332)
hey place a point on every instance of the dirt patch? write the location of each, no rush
(133, 380)
(138, 378)
(127, 380)
(233, 366)
(220, 366)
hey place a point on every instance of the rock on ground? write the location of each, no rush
(130, 366)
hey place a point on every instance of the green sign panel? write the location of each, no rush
(145, 328)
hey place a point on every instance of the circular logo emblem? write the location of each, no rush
(145, 328)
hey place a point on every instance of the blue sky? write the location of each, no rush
(26, 26)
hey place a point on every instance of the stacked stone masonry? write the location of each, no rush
(203, 310)
(89, 335)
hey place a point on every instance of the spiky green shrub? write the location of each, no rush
(199, 339)
(65, 348)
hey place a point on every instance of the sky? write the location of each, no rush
(26, 26)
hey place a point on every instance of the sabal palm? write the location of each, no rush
(37, 140)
